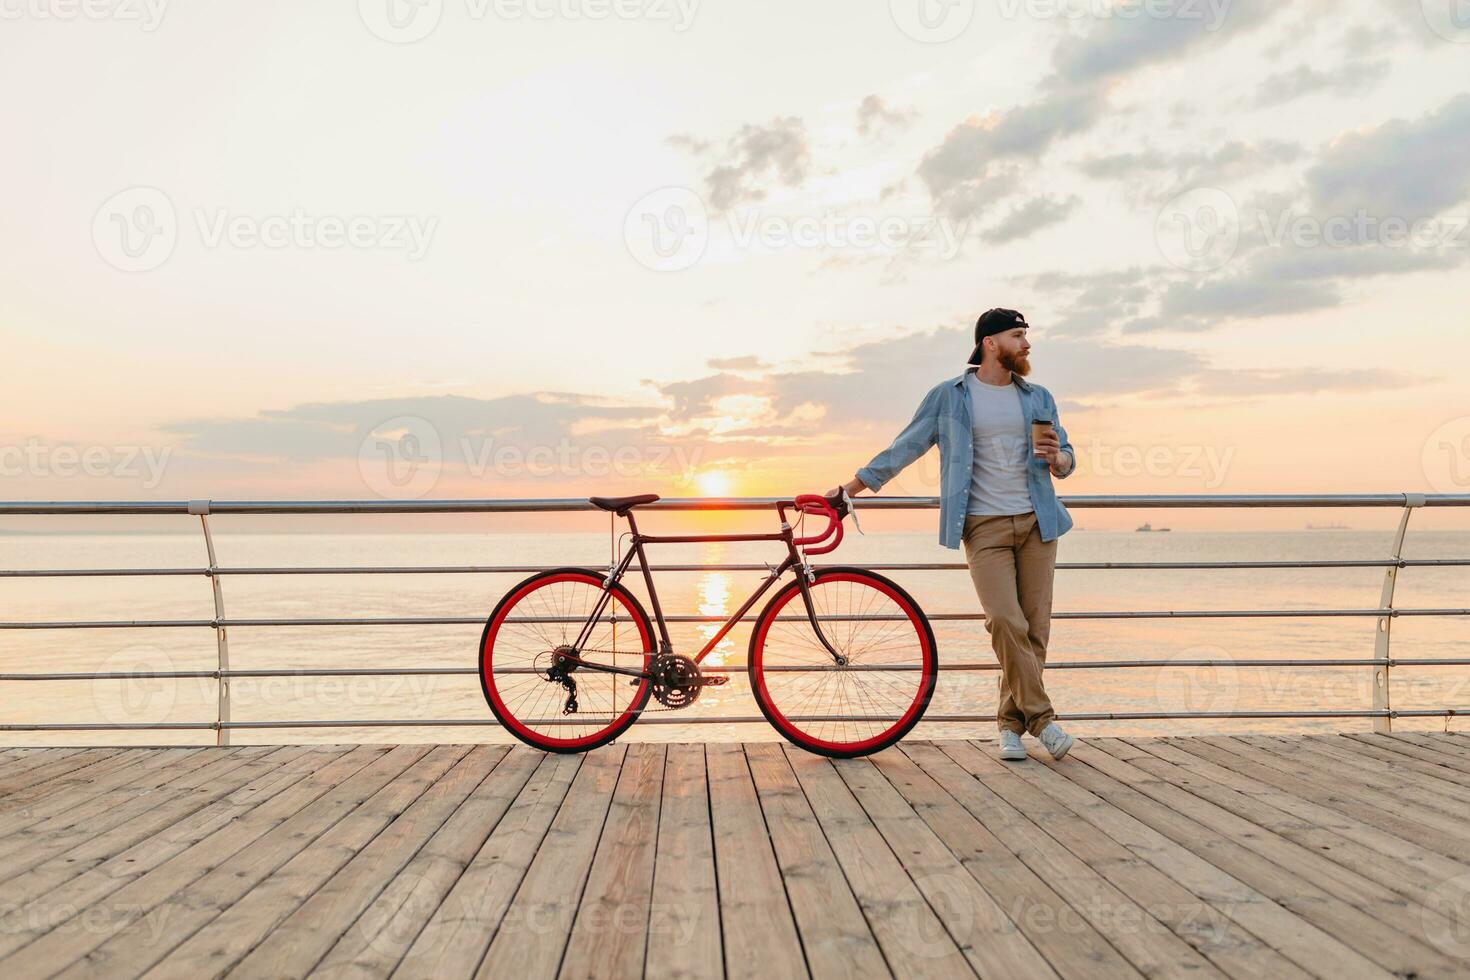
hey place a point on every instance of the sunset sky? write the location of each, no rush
(469, 248)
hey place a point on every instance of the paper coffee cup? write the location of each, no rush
(1039, 427)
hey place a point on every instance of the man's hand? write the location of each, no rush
(835, 498)
(1048, 447)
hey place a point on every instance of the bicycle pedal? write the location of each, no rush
(715, 680)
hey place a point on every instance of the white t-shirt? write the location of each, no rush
(1002, 450)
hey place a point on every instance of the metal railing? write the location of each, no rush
(1382, 711)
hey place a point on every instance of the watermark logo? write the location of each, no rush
(1445, 916)
(1450, 19)
(932, 21)
(667, 230)
(133, 699)
(38, 460)
(135, 230)
(147, 14)
(1198, 230)
(1361, 228)
(407, 21)
(401, 458)
(401, 21)
(1446, 456)
(1211, 13)
(670, 230)
(1198, 679)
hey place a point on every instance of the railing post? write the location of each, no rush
(222, 640)
(1382, 647)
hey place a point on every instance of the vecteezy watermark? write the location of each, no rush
(128, 692)
(1206, 465)
(670, 230)
(401, 457)
(406, 21)
(404, 457)
(932, 21)
(36, 459)
(1450, 19)
(137, 230)
(1445, 916)
(1198, 230)
(1361, 228)
(147, 14)
(1197, 679)
(1211, 13)
(1446, 456)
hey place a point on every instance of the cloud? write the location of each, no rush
(751, 160)
(1227, 162)
(1030, 217)
(748, 362)
(875, 116)
(1405, 168)
(336, 430)
(962, 172)
(1349, 78)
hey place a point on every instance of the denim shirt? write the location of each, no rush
(944, 418)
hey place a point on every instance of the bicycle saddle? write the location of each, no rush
(621, 505)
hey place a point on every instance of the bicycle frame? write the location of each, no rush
(793, 559)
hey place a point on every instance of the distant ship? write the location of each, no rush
(1328, 527)
(1150, 527)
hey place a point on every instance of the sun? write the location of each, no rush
(714, 483)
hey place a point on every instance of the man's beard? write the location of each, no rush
(1017, 363)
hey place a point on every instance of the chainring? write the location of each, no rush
(676, 680)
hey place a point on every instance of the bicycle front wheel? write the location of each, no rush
(542, 614)
(874, 695)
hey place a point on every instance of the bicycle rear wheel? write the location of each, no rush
(545, 612)
(858, 707)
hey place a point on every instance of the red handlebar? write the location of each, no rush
(815, 503)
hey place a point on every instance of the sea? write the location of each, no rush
(1170, 686)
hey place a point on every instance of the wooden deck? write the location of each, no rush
(1250, 857)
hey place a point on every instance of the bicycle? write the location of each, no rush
(852, 688)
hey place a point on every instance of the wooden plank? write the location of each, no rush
(1431, 794)
(23, 760)
(1274, 772)
(1389, 931)
(1074, 924)
(834, 933)
(755, 913)
(684, 928)
(958, 865)
(1362, 789)
(384, 931)
(1338, 835)
(306, 933)
(86, 818)
(610, 931)
(1400, 748)
(228, 774)
(455, 938)
(913, 939)
(1427, 767)
(995, 791)
(12, 784)
(128, 907)
(18, 807)
(1301, 941)
(1450, 749)
(531, 941)
(1361, 914)
(1353, 756)
(325, 887)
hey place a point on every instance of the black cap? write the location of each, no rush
(995, 321)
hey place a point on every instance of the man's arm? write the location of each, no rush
(1066, 461)
(913, 442)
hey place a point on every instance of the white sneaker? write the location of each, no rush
(1011, 749)
(1057, 742)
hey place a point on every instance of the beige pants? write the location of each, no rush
(1013, 571)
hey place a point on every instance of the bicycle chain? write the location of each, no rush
(627, 653)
